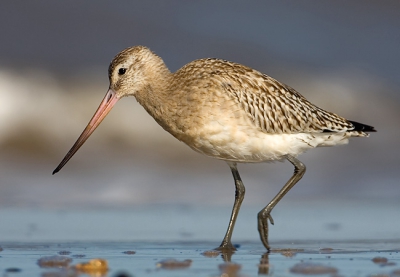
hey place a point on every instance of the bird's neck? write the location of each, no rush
(156, 97)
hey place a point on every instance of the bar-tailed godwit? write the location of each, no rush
(226, 111)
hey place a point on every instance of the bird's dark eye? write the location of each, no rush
(121, 71)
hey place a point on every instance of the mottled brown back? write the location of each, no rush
(273, 106)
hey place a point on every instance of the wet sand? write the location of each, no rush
(179, 241)
(344, 258)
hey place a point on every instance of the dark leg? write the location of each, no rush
(226, 244)
(264, 214)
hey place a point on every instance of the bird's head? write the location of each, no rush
(129, 73)
(132, 70)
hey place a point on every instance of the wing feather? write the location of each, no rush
(277, 108)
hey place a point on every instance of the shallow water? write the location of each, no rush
(347, 258)
(307, 238)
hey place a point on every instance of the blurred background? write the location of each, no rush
(54, 55)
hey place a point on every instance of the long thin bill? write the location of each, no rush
(105, 107)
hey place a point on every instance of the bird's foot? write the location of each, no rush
(227, 250)
(263, 218)
(226, 246)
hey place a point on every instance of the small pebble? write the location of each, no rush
(326, 250)
(54, 261)
(380, 260)
(95, 266)
(129, 252)
(64, 252)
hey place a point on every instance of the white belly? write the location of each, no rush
(246, 143)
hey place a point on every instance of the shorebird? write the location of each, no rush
(227, 111)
